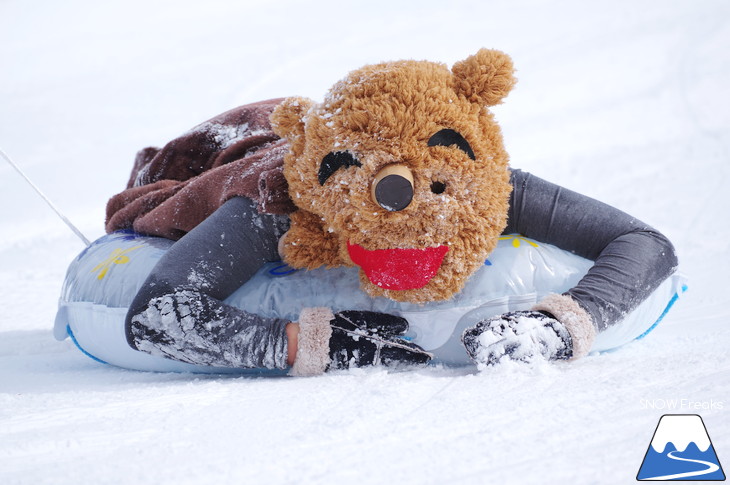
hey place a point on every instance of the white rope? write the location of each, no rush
(50, 204)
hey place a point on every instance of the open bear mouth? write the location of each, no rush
(398, 269)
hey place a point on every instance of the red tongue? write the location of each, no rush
(398, 269)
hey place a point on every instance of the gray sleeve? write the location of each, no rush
(630, 258)
(178, 312)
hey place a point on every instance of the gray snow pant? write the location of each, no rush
(178, 313)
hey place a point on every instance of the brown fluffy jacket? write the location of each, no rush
(172, 190)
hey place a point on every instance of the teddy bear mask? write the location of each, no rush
(402, 172)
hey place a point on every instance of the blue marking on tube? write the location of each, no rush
(76, 342)
(282, 270)
(664, 313)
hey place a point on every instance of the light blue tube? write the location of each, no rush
(102, 281)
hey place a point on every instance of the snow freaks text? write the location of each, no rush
(681, 404)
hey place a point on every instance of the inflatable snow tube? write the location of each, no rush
(102, 281)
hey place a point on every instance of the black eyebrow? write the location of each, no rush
(334, 161)
(448, 137)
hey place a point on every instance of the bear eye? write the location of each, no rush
(334, 161)
(447, 138)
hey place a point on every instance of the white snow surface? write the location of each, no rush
(624, 101)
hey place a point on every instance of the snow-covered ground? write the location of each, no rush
(626, 101)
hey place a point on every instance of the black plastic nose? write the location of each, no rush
(394, 192)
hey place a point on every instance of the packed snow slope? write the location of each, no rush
(624, 101)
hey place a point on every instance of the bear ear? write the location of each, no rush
(484, 78)
(287, 119)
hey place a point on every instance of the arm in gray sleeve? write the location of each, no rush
(178, 312)
(631, 258)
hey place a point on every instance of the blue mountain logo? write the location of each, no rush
(681, 450)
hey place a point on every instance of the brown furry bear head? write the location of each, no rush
(401, 171)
